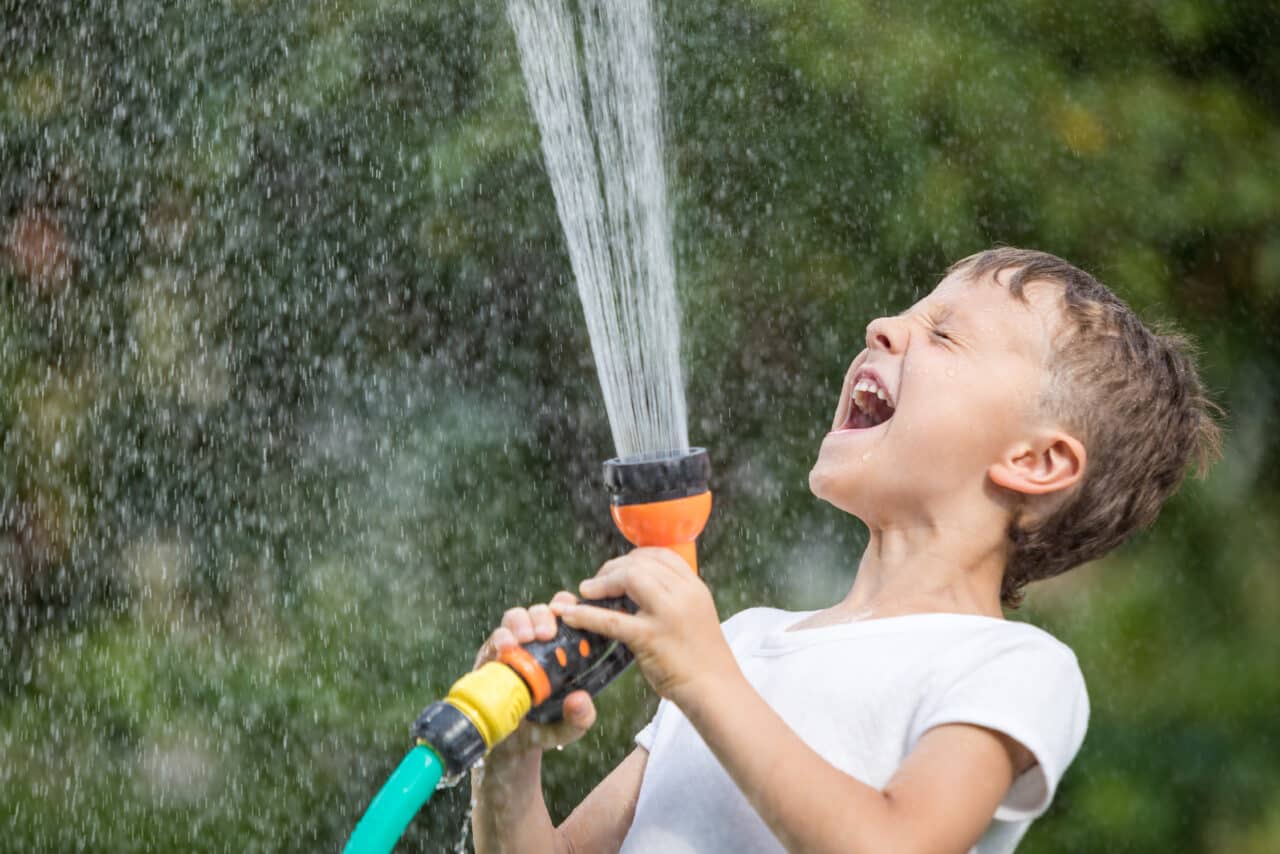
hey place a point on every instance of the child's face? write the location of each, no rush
(941, 394)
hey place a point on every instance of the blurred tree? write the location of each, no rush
(296, 396)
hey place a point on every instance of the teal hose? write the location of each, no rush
(411, 786)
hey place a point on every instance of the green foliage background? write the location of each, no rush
(296, 396)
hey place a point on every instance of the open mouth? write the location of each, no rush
(869, 403)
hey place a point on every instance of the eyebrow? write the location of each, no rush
(941, 311)
(934, 312)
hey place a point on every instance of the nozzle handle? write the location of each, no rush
(576, 660)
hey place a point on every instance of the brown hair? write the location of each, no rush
(1131, 395)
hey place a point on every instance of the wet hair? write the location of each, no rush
(1130, 394)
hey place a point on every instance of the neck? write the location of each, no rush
(926, 566)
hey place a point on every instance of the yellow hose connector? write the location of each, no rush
(494, 699)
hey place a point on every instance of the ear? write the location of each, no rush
(1051, 462)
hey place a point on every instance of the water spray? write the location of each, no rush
(606, 170)
(659, 499)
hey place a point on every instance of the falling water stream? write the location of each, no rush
(279, 434)
(603, 146)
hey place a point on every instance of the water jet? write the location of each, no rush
(609, 183)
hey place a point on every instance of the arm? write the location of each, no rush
(941, 799)
(602, 820)
(510, 813)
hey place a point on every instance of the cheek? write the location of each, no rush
(971, 421)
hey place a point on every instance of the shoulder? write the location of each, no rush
(1029, 643)
(1030, 652)
(1008, 664)
(1024, 684)
(1005, 664)
(995, 639)
(1032, 636)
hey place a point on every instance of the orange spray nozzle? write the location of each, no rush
(662, 499)
(674, 524)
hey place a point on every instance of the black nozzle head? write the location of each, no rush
(660, 476)
(451, 735)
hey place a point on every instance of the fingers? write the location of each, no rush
(579, 710)
(668, 558)
(611, 624)
(611, 579)
(639, 577)
(501, 639)
(519, 623)
(663, 563)
(544, 622)
(564, 597)
(579, 716)
(605, 586)
(523, 625)
(537, 622)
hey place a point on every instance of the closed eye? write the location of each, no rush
(939, 334)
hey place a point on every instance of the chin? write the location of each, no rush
(832, 485)
(852, 480)
(818, 482)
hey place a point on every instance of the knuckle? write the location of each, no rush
(668, 558)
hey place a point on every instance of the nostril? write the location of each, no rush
(878, 335)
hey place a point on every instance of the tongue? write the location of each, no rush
(877, 412)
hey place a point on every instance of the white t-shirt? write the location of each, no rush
(862, 694)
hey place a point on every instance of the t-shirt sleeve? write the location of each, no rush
(732, 628)
(1030, 688)
(646, 736)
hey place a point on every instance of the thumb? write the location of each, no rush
(579, 710)
(579, 715)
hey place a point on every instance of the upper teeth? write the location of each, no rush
(870, 386)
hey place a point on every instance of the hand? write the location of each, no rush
(520, 626)
(675, 635)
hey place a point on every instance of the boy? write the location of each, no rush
(1016, 422)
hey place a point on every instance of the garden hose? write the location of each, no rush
(658, 499)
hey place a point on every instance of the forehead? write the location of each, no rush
(984, 306)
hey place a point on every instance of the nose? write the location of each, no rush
(888, 334)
